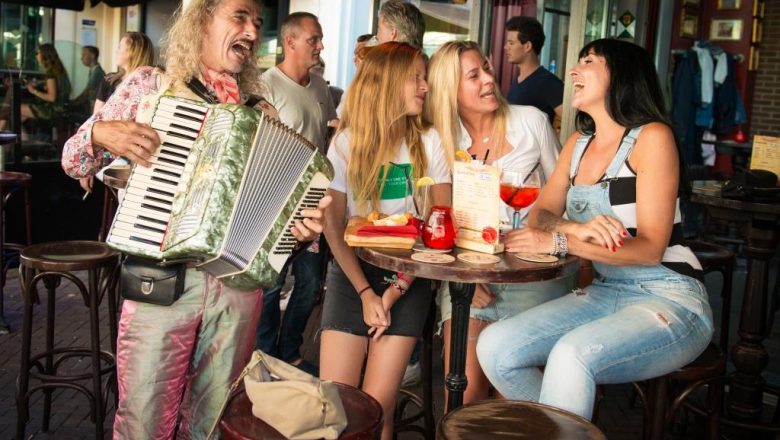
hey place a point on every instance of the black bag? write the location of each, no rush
(752, 186)
(145, 280)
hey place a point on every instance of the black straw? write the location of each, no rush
(486, 155)
(532, 171)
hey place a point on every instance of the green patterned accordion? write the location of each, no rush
(224, 189)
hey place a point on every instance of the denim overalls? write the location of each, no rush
(633, 323)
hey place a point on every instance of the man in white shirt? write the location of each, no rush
(302, 100)
(304, 104)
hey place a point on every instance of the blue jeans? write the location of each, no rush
(613, 331)
(283, 339)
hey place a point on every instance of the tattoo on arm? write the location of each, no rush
(548, 222)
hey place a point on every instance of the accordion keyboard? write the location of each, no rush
(143, 216)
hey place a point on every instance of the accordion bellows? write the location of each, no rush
(246, 178)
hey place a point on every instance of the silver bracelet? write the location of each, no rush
(560, 244)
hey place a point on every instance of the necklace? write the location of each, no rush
(486, 139)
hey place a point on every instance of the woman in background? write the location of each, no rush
(135, 50)
(51, 96)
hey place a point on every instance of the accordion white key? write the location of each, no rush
(224, 189)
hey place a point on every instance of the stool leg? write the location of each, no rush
(51, 287)
(715, 403)
(725, 295)
(28, 216)
(23, 382)
(657, 390)
(112, 287)
(4, 327)
(94, 327)
(427, 372)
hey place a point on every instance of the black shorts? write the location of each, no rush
(343, 310)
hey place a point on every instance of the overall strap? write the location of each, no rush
(579, 150)
(626, 145)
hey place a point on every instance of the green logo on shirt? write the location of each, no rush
(396, 186)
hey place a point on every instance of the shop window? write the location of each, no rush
(23, 28)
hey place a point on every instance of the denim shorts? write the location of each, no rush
(343, 311)
(511, 299)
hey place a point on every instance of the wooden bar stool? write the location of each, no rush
(364, 418)
(512, 419)
(50, 263)
(708, 369)
(10, 183)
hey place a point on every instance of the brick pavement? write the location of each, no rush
(618, 418)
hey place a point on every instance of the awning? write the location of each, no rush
(74, 5)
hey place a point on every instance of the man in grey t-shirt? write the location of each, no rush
(302, 100)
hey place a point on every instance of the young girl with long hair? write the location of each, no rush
(381, 140)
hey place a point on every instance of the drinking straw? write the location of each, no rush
(532, 171)
(486, 155)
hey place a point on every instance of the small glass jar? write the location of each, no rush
(439, 230)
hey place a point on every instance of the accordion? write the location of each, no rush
(224, 189)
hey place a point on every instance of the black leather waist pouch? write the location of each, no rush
(145, 280)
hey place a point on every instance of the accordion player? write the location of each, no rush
(224, 188)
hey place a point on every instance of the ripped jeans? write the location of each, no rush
(613, 331)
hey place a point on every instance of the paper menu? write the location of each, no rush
(476, 203)
(766, 154)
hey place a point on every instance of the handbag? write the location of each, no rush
(297, 404)
(753, 186)
(145, 280)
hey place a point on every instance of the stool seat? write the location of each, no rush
(364, 418)
(15, 178)
(68, 255)
(507, 419)
(709, 364)
(710, 254)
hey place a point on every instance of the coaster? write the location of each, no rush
(427, 257)
(478, 258)
(420, 247)
(537, 258)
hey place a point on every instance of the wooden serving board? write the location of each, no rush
(389, 241)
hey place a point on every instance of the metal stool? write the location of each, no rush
(50, 263)
(708, 368)
(11, 182)
(364, 418)
(511, 419)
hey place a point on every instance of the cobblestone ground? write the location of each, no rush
(618, 417)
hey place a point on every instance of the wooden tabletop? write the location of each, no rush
(509, 270)
(734, 204)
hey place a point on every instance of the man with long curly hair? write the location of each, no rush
(175, 364)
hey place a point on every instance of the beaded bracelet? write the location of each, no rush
(560, 244)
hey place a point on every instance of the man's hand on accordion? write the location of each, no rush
(314, 219)
(137, 142)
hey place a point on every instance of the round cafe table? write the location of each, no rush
(463, 277)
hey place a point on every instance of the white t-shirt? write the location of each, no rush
(305, 109)
(396, 197)
(533, 140)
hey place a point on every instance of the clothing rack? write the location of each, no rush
(737, 57)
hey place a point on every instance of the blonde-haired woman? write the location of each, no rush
(135, 50)
(470, 114)
(381, 141)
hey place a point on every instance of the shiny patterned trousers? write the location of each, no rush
(176, 363)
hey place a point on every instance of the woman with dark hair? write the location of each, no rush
(617, 180)
(51, 96)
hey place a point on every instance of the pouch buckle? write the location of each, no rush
(147, 286)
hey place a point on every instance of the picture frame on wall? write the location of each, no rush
(689, 23)
(757, 31)
(726, 30)
(729, 4)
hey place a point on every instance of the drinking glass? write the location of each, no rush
(439, 230)
(519, 190)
